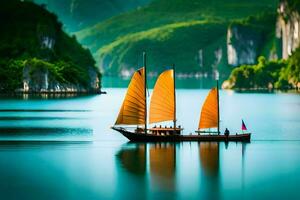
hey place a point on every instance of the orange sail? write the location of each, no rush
(162, 100)
(133, 108)
(209, 115)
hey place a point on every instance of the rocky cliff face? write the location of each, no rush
(242, 45)
(288, 28)
(40, 80)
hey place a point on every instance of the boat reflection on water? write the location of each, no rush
(162, 166)
(159, 168)
(134, 159)
(152, 165)
(209, 158)
(210, 165)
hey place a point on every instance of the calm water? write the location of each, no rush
(64, 149)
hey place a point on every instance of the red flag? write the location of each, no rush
(244, 128)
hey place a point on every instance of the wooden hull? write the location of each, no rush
(141, 137)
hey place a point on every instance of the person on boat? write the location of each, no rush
(226, 133)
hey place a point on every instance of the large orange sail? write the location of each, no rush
(133, 108)
(162, 100)
(209, 115)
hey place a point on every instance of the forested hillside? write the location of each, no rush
(79, 14)
(36, 55)
(191, 34)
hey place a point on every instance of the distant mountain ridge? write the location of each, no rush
(201, 37)
(79, 14)
(192, 34)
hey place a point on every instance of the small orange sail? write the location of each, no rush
(209, 114)
(133, 108)
(162, 100)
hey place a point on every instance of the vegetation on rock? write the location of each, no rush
(278, 74)
(33, 37)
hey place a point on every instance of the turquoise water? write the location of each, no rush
(182, 83)
(63, 148)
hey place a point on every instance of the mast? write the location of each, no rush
(218, 107)
(145, 87)
(174, 120)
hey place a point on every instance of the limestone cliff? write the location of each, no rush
(288, 27)
(278, 69)
(250, 38)
(42, 80)
(272, 39)
(242, 45)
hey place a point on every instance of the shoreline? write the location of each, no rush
(263, 90)
(53, 92)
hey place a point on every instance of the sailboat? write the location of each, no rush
(132, 117)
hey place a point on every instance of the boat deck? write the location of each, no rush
(152, 137)
(165, 131)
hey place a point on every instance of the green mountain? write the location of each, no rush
(79, 14)
(37, 56)
(192, 34)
